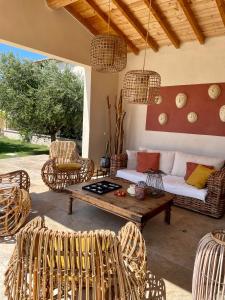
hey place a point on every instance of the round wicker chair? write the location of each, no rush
(65, 166)
(48, 264)
(15, 202)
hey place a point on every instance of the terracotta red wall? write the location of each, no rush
(198, 101)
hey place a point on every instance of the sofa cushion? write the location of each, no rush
(147, 161)
(131, 159)
(181, 158)
(131, 175)
(177, 185)
(200, 176)
(166, 159)
(172, 184)
(190, 167)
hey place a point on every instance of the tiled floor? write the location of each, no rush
(171, 248)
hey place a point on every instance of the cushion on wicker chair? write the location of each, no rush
(68, 166)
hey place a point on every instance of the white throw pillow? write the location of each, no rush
(181, 158)
(132, 159)
(166, 159)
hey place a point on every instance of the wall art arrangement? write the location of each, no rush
(196, 109)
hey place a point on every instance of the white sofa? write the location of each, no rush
(210, 200)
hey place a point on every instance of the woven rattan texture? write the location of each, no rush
(15, 205)
(65, 152)
(141, 87)
(108, 53)
(209, 276)
(47, 264)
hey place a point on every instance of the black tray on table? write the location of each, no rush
(102, 187)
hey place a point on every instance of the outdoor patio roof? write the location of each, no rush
(172, 22)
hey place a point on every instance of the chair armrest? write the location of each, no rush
(134, 253)
(117, 162)
(216, 189)
(19, 177)
(87, 168)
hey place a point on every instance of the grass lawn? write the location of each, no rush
(13, 148)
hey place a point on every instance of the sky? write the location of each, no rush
(20, 53)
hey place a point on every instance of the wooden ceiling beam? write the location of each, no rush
(114, 27)
(81, 19)
(157, 13)
(54, 4)
(221, 7)
(124, 9)
(192, 20)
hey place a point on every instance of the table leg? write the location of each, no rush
(168, 214)
(70, 206)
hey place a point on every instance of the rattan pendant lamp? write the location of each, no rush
(108, 52)
(142, 86)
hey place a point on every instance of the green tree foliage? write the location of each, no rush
(39, 98)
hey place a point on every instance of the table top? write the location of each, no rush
(127, 206)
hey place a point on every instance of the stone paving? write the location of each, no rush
(171, 248)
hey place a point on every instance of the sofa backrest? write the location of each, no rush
(181, 158)
(166, 159)
(174, 162)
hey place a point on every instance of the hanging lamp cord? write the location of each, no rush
(109, 15)
(147, 33)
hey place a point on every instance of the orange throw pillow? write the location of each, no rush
(147, 161)
(190, 167)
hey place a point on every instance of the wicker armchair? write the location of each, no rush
(65, 166)
(15, 202)
(18, 178)
(214, 205)
(48, 264)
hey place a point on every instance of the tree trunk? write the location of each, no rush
(53, 137)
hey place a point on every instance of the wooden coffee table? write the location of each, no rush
(129, 208)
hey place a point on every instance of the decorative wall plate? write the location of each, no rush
(192, 117)
(158, 99)
(181, 100)
(214, 91)
(163, 118)
(222, 113)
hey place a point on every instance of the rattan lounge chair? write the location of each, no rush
(65, 166)
(48, 264)
(15, 202)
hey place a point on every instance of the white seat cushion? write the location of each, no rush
(172, 184)
(131, 175)
(166, 159)
(181, 158)
(177, 185)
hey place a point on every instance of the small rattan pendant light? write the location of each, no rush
(141, 86)
(108, 52)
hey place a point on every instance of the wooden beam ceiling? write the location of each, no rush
(59, 3)
(192, 20)
(114, 27)
(127, 13)
(157, 13)
(128, 20)
(82, 20)
(221, 7)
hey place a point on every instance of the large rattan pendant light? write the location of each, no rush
(141, 86)
(108, 52)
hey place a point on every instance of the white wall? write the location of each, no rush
(191, 64)
(33, 25)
